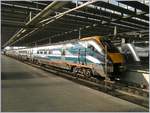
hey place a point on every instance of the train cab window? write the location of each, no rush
(110, 46)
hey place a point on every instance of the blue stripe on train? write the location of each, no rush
(70, 59)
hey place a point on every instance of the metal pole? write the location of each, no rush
(49, 40)
(106, 77)
(106, 60)
(79, 33)
(43, 14)
(66, 12)
(35, 44)
(34, 19)
(85, 57)
(76, 3)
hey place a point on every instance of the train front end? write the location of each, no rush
(115, 59)
(118, 63)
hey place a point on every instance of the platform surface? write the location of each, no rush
(28, 89)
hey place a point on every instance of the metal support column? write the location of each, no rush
(106, 77)
(79, 33)
(49, 40)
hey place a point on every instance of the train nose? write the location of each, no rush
(116, 58)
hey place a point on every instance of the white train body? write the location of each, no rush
(86, 54)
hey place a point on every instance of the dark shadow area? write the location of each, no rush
(145, 61)
(15, 75)
(133, 65)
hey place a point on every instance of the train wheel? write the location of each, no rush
(38, 62)
(75, 70)
(81, 71)
(88, 73)
(35, 61)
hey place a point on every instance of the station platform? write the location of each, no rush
(138, 74)
(28, 89)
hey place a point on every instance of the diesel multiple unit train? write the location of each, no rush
(89, 56)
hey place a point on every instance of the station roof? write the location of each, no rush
(39, 22)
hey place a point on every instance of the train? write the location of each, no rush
(89, 56)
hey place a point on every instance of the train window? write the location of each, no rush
(91, 47)
(45, 52)
(63, 52)
(22, 51)
(50, 52)
(110, 46)
(41, 52)
(37, 52)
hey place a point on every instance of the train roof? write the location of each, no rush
(89, 38)
(68, 41)
(95, 38)
(74, 40)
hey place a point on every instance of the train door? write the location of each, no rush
(82, 55)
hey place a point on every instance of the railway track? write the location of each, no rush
(124, 91)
